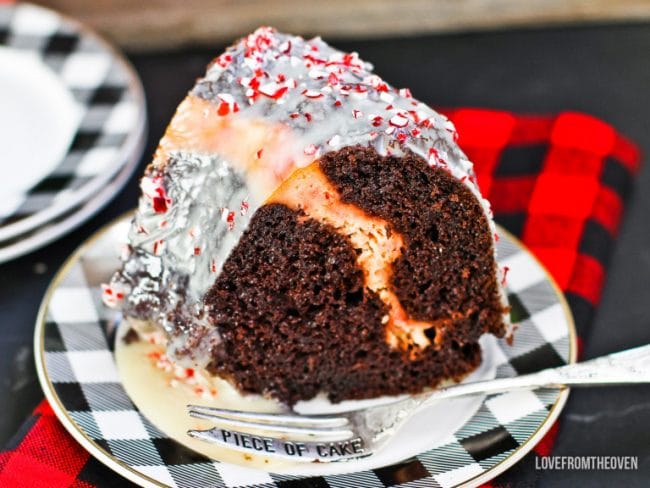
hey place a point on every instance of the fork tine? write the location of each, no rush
(286, 430)
(324, 421)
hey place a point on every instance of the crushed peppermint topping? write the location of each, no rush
(113, 294)
(154, 189)
(228, 216)
(273, 90)
(399, 121)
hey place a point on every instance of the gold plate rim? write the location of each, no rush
(143, 480)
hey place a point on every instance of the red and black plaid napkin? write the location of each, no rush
(558, 182)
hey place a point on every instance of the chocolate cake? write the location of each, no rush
(306, 228)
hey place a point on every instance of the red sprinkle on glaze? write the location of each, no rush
(243, 209)
(197, 251)
(159, 205)
(338, 103)
(154, 189)
(224, 60)
(308, 116)
(505, 274)
(157, 246)
(357, 113)
(230, 219)
(258, 154)
(377, 121)
(213, 266)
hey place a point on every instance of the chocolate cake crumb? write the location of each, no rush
(131, 336)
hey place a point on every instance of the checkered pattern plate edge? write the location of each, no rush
(105, 88)
(74, 355)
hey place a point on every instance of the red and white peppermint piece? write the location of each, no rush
(158, 246)
(113, 294)
(437, 157)
(273, 90)
(153, 188)
(334, 141)
(227, 104)
(405, 92)
(312, 94)
(228, 216)
(398, 121)
(224, 60)
(386, 97)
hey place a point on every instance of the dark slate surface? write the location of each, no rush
(604, 71)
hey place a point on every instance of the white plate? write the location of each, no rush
(38, 120)
(73, 113)
(80, 377)
(25, 243)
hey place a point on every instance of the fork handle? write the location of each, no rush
(625, 367)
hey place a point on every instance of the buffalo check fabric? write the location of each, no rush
(102, 87)
(558, 182)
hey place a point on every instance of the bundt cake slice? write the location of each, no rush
(306, 228)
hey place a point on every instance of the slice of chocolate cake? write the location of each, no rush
(304, 227)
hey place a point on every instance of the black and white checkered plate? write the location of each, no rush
(74, 355)
(103, 92)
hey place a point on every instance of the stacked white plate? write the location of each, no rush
(72, 126)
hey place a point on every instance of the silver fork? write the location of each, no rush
(359, 433)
